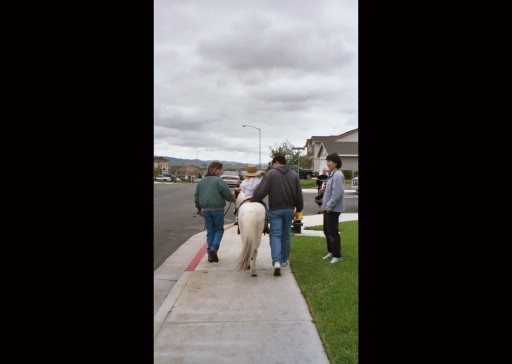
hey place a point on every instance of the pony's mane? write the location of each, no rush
(239, 196)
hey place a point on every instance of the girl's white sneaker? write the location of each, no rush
(329, 255)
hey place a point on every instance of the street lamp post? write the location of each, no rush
(298, 152)
(259, 164)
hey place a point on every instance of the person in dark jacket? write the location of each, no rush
(210, 199)
(320, 185)
(282, 185)
(320, 180)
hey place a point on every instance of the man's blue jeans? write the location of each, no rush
(214, 223)
(280, 226)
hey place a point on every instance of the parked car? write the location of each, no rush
(231, 178)
(355, 183)
(303, 173)
(167, 178)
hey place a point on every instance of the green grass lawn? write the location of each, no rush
(331, 290)
(311, 183)
(308, 183)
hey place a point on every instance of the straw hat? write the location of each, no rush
(251, 170)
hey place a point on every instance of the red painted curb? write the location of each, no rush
(195, 262)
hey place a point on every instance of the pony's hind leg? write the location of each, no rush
(253, 272)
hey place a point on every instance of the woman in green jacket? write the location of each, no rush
(210, 199)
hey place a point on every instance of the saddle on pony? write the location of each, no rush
(266, 229)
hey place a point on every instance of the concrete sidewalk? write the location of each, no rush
(213, 313)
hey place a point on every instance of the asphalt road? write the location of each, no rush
(174, 224)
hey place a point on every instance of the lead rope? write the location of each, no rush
(228, 208)
(204, 226)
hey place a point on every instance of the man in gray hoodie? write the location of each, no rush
(282, 185)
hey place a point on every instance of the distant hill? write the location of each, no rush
(204, 163)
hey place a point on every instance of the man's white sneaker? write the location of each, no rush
(335, 260)
(277, 269)
(329, 255)
(284, 264)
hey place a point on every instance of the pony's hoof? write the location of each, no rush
(254, 275)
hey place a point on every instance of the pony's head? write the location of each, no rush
(239, 196)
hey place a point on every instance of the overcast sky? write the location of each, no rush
(288, 67)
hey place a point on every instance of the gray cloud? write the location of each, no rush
(265, 47)
(287, 67)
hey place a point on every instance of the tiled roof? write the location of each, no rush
(315, 139)
(189, 167)
(323, 138)
(346, 133)
(341, 148)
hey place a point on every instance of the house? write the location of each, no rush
(346, 145)
(161, 163)
(189, 172)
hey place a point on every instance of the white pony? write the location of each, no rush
(251, 222)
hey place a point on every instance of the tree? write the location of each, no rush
(286, 148)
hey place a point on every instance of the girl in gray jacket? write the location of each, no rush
(333, 206)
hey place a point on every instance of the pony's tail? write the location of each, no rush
(244, 258)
